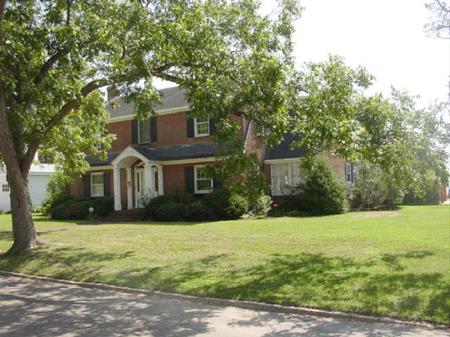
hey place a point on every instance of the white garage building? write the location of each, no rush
(37, 185)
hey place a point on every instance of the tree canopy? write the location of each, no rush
(55, 55)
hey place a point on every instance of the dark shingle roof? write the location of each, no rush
(183, 151)
(164, 153)
(284, 149)
(170, 98)
(96, 161)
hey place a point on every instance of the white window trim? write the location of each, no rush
(290, 183)
(139, 133)
(196, 134)
(196, 190)
(5, 188)
(102, 193)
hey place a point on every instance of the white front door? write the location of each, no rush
(139, 187)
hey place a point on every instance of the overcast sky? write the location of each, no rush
(385, 36)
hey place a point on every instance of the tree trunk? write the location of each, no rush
(24, 232)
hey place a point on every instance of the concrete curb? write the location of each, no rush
(233, 303)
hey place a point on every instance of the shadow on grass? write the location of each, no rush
(314, 280)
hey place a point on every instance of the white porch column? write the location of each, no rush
(129, 189)
(160, 179)
(117, 201)
(149, 180)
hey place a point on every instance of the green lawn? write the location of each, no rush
(394, 263)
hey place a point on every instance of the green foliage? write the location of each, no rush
(321, 192)
(242, 174)
(74, 208)
(56, 191)
(374, 188)
(226, 204)
(102, 206)
(58, 54)
(78, 208)
(261, 206)
(430, 198)
(199, 211)
(151, 205)
(170, 211)
(237, 206)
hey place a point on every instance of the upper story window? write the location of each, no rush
(350, 172)
(201, 126)
(202, 182)
(5, 188)
(284, 177)
(97, 184)
(144, 132)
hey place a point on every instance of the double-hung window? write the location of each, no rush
(284, 177)
(201, 126)
(202, 182)
(144, 132)
(350, 172)
(5, 188)
(97, 184)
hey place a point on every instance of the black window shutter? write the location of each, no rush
(153, 129)
(189, 179)
(217, 183)
(212, 127)
(87, 185)
(107, 184)
(134, 131)
(190, 126)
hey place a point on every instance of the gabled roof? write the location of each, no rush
(96, 161)
(171, 98)
(284, 150)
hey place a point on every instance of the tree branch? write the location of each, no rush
(49, 64)
(56, 119)
(2, 10)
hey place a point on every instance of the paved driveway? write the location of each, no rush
(36, 308)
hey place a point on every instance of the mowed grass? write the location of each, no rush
(381, 263)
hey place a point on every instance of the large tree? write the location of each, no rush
(56, 55)
(439, 22)
(335, 114)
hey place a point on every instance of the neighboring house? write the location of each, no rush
(169, 153)
(38, 179)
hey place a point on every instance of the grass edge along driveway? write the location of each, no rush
(380, 263)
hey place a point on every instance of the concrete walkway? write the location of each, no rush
(36, 308)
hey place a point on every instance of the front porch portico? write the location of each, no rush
(144, 178)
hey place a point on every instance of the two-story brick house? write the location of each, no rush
(169, 151)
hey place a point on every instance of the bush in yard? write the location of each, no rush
(237, 206)
(102, 206)
(151, 205)
(374, 188)
(226, 205)
(321, 192)
(199, 211)
(56, 192)
(73, 209)
(170, 211)
(261, 206)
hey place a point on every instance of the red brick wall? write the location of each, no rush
(122, 130)
(171, 130)
(337, 163)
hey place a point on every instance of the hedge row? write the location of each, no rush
(220, 204)
(78, 208)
